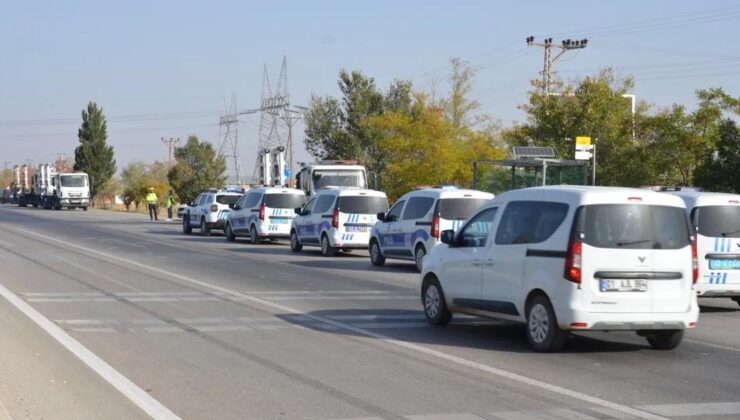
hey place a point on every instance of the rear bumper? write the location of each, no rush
(718, 290)
(599, 321)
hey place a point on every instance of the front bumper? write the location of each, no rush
(72, 202)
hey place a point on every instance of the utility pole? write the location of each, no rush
(567, 45)
(171, 142)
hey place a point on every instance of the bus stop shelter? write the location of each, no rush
(497, 176)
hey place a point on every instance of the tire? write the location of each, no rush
(326, 249)
(542, 327)
(186, 228)
(229, 233)
(295, 244)
(737, 300)
(419, 254)
(204, 230)
(665, 339)
(433, 301)
(376, 256)
(253, 237)
(84, 208)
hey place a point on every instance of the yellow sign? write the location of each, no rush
(583, 140)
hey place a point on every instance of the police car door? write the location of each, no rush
(321, 216)
(237, 215)
(303, 220)
(389, 243)
(415, 226)
(194, 210)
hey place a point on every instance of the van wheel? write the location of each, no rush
(419, 257)
(295, 244)
(542, 327)
(253, 237)
(326, 249)
(376, 257)
(84, 208)
(204, 231)
(433, 299)
(665, 339)
(737, 300)
(186, 228)
(229, 233)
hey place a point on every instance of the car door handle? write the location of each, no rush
(476, 263)
(489, 262)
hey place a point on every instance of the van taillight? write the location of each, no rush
(694, 259)
(262, 212)
(335, 219)
(214, 208)
(573, 261)
(435, 227)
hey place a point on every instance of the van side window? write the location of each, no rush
(475, 232)
(529, 222)
(396, 210)
(204, 200)
(252, 200)
(309, 205)
(417, 207)
(324, 203)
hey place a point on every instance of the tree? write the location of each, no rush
(720, 170)
(94, 156)
(457, 107)
(6, 178)
(198, 167)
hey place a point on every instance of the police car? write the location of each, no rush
(264, 213)
(412, 226)
(209, 211)
(337, 218)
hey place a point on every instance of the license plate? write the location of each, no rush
(357, 228)
(724, 264)
(74, 201)
(623, 285)
(279, 221)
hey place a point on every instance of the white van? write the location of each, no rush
(412, 226)
(264, 213)
(715, 218)
(337, 219)
(570, 258)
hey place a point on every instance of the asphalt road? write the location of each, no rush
(109, 315)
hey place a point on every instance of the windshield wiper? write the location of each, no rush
(632, 242)
(730, 233)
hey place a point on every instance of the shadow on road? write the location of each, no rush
(357, 264)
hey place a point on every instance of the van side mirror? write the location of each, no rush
(447, 237)
(298, 210)
(381, 216)
(191, 204)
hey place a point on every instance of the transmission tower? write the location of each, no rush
(229, 147)
(547, 71)
(171, 142)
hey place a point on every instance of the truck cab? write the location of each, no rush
(70, 191)
(327, 174)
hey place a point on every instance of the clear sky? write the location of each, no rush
(164, 68)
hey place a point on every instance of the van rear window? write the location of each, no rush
(284, 201)
(459, 208)
(363, 205)
(633, 226)
(718, 221)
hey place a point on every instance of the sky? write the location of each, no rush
(165, 68)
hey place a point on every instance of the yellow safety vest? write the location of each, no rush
(151, 198)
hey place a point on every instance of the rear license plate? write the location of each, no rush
(357, 228)
(623, 285)
(279, 221)
(724, 264)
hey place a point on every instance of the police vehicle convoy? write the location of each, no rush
(209, 211)
(570, 258)
(412, 226)
(337, 219)
(715, 218)
(264, 213)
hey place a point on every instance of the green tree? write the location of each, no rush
(458, 108)
(94, 156)
(720, 170)
(6, 178)
(198, 167)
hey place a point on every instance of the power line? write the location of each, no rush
(547, 45)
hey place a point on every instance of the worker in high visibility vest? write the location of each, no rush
(151, 200)
(169, 202)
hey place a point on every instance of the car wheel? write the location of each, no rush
(419, 257)
(326, 249)
(542, 327)
(186, 228)
(295, 244)
(376, 257)
(229, 233)
(665, 339)
(204, 231)
(433, 299)
(84, 208)
(737, 300)
(253, 237)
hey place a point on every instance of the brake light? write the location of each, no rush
(573, 261)
(335, 219)
(694, 259)
(637, 199)
(435, 227)
(262, 212)
(214, 208)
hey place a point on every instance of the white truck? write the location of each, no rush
(330, 173)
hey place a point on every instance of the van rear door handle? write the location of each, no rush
(476, 263)
(489, 261)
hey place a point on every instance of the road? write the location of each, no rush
(109, 315)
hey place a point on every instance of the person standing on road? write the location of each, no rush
(151, 199)
(169, 202)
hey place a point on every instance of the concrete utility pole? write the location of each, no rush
(567, 45)
(171, 142)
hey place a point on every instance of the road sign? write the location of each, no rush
(583, 155)
(583, 140)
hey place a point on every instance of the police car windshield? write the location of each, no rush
(459, 208)
(718, 221)
(633, 226)
(338, 178)
(363, 205)
(73, 180)
(284, 201)
(229, 200)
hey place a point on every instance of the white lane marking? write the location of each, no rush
(5, 411)
(455, 416)
(696, 409)
(716, 346)
(137, 395)
(555, 389)
(7, 244)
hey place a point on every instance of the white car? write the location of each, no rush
(264, 213)
(570, 258)
(209, 211)
(715, 218)
(337, 219)
(412, 226)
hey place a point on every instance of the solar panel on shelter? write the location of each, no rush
(533, 152)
